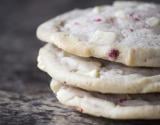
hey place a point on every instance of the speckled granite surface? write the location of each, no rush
(25, 97)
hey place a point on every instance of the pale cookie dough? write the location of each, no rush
(97, 75)
(126, 32)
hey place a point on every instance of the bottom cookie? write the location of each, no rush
(114, 106)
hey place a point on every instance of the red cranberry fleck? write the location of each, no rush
(122, 100)
(76, 23)
(131, 30)
(131, 15)
(98, 19)
(135, 17)
(79, 109)
(113, 54)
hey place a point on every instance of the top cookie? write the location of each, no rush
(126, 32)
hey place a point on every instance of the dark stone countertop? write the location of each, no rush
(25, 97)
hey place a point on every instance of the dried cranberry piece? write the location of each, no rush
(113, 54)
(122, 100)
(131, 30)
(76, 23)
(98, 20)
(79, 109)
(135, 17)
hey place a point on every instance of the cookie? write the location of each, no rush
(97, 75)
(143, 106)
(125, 32)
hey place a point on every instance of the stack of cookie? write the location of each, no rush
(105, 60)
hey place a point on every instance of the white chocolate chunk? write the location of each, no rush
(55, 85)
(97, 9)
(153, 21)
(93, 73)
(80, 64)
(120, 14)
(101, 37)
